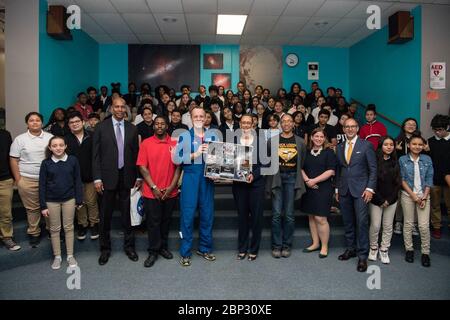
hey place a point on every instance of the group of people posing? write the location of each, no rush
(87, 159)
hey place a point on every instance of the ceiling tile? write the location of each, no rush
(360, 11)
(97, 6)
(177, 38)
(259, 24)
(165, 6)
(278, 40)
(345, 27)
(200, 6)
(234, 6)
(125, 38)
(336, 8)
(177, 27)
(253, 39)
(111, 22)
(348, 42)
(311, 29)
(150, 38)
(289, 25)
(268, 7)
(328, 41)
(90, 26)
(447, 2)
(202, 38)
(201, 23)
(303, 41)
(130, 6)
(303, 8)
(142, 23)
(398, 7)
(64, 3)
(227, 39)
(102, 38)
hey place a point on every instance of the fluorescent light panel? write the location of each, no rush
(230, 24)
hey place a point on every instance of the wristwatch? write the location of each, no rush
(154, 187)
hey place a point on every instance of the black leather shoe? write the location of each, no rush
(132, 255)
(409, 257)
(166, 254)
(104, 257)
(150, 261)
(426, 260)
(347, 255)
(362, 265)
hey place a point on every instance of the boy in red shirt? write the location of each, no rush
(373, 130)
(160, 190)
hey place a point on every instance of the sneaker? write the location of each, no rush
(415, 231)
(11, 245)
(34, 241)
(72, 262)
(94, 232)
(373, 253)
(206, 255)
(81, 233)
(436, 233)
(56, 263)
(426, 260)
(384, 256)
(286, 252)
(185, 261)
(409, 257)
(276, 253)
(398, 228)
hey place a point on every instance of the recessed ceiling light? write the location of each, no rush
(321, 24)
(230, 24)
(169, 19)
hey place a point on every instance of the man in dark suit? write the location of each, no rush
(356, 182)
(115, 150)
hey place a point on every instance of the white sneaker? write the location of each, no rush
(72, 262)
(373, 254)
(384, 257)
(398, 228)
(56, 263)
(415, 231)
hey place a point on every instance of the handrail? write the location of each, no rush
(395, 123)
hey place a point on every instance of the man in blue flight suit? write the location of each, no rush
(197, 191)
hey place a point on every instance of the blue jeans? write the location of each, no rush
(283, 201)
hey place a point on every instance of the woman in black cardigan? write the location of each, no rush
(249, 196)
(384, 202)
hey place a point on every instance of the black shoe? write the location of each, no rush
(409, 257)
(347, 255)
(104, 257)
(150, 261)
(426, 260)
(94, 232)
(362, 265)
(132, 255)
(34, 241)
(81, 233)
(166, 254)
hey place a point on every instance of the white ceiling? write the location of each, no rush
(270, 22)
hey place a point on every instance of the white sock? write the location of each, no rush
(58, 257)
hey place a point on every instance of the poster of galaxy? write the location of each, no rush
(170, 65)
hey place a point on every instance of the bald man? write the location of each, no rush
(115, 150)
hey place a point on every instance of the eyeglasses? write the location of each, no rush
(438, 129)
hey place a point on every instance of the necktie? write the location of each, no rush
(349, 151)
(119, 140)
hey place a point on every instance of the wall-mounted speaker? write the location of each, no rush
(56, 23)
(401, 27)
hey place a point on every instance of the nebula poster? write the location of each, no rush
(221, 79)
(261, 65)
(170, 65)
(212, 61)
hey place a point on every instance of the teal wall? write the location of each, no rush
(333, 68)
(65, 67)
(113, 65)
(230, 64)
(388, 75)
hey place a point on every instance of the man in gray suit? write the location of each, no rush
(356, 181)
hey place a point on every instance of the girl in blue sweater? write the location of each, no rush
(60, 191)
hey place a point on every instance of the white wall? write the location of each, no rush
(22, 62)
(435, 48)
